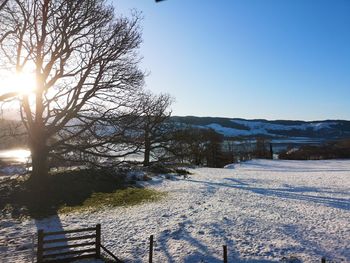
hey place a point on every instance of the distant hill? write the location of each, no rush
(281, 131)
(236, 127)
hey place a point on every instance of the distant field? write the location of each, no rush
(264, 210)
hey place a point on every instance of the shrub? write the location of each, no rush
(180, 171)
(159, 169)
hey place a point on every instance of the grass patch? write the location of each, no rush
(123, 197)
(70, 191)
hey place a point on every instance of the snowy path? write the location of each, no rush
(263, 210)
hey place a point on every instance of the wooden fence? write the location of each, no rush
(224, 254)
(53, 248)
(151, 243)
(57, 247)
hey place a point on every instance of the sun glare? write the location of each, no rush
(22, 83)
(18, 155)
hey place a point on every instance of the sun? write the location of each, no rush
(23, 83)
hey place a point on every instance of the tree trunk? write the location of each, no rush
(40, 167)
(147, 150)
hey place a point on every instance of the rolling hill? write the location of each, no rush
(236, 127)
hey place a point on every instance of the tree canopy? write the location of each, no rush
(85, 63)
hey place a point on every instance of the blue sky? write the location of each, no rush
(269, 59)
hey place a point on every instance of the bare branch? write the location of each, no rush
(85, 62)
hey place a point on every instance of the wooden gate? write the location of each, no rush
(70, 245)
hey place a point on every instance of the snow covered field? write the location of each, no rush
(263, 210)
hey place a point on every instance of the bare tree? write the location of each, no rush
(197, 146)
(3, 3)
(86, 68)
(154, 113)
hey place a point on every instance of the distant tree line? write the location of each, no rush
(331, 150)
(206, 147)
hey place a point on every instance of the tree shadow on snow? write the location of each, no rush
(201, 253)
(288, 192)
(50, 224)
(292, 166)
(303, 239)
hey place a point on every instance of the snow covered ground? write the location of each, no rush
(263, 210)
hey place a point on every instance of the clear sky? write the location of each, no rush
(269, 59)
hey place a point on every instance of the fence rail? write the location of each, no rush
(51, 249)
(54, 248)
(225, 257)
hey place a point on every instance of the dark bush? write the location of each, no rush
(180, 171)
(159, 169)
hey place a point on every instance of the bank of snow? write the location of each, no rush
(263, 210)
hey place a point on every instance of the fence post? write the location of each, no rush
(323, 260)
(39, 255)
(98, 241)
(151, 249)
(33, 248)
(225, 253)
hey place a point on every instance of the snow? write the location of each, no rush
(17, 155)
(236, 132)
(12, 170)
(263, 210)
(265, 128)
(279, 127)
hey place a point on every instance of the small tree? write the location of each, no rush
(197, 146)
(262, 148)
(154, 114)
(214, 154)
